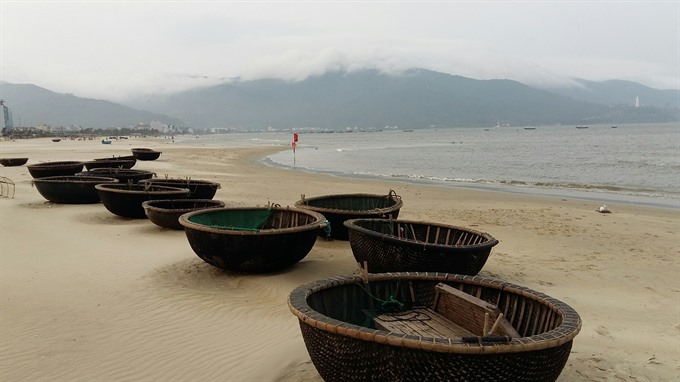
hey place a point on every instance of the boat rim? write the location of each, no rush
(302, 203)
(563, 333)
(119, 188)
(320, 221)
(490, 241)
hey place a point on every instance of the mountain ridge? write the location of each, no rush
(335, 100)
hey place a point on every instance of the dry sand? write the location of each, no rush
(86, 295)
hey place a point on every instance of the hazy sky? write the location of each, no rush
(118, 49)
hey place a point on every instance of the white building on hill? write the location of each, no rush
(6, 120)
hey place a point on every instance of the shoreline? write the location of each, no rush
(602, 197)
(86, 295)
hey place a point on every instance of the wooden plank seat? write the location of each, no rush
(454, 314)
(423, 322)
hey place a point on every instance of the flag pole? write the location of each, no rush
(294, 144)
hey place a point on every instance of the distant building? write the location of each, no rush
(6, 120)
(637, 101)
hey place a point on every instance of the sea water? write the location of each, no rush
(630, 163)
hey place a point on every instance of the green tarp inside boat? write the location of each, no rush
(239, 220)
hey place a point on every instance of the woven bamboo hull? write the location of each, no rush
(122, 174)
(70, 189)
(339, 359)
(200, 189)
(110, 163)
(344, 345)
(409, 246)
(166, 213)
(339, 208)
(126, 200)
(266, 250)
(10, 162)
(65, 168)
(145, 154)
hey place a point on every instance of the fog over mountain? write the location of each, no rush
(417, 98)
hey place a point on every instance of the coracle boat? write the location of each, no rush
(338, 208)
(126, 199)
(410, 246)
(123, 175)
(432, 327)
(145, 154)
(120, 157)
(200, 189)
(71, 189)
(252, 239)
(166, 213)
(111, 163)
(11, 162)
(63, 168)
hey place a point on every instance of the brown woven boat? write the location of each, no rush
(118, 157)
(126, 199)
(70, 189)
(341, 207)
(62, 168)
(339, 319)
(123, 175)
(200, 189)
(110, 163)
(411, 246)
(166, 213)
(145, 153)
(10, 162)
(252, 239)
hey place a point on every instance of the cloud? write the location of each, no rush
(118, 50)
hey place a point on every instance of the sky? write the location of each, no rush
(119, 50)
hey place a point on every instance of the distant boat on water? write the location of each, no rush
(614, 127)
(581, 127)
(529, 128)
(408, 131)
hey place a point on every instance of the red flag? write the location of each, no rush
(295, 137)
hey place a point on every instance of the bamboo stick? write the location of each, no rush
(414, 233)
(448, 233)
(495, 324)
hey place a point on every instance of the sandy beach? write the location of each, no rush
(86, 295)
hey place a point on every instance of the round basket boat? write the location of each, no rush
(145, 153)
(200, 189)
(120, 157)
(166, 213)
(349, 338)
(110, 163)
(11, 162)
(409, 246)
(252, 239)
(338, 208)
(63, 168)
(123, 175)
(71, 189)
(126, 199)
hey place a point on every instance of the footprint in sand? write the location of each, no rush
(603, 331)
